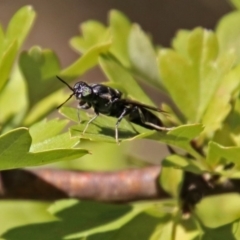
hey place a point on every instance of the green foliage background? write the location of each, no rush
(200, 73)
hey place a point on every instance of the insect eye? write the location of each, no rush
(86, 91)
(76, 86)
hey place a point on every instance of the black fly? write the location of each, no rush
(109, 101)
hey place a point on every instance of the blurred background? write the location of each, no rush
(58, 21)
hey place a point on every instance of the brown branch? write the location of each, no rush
(47, 184)
(119, 186)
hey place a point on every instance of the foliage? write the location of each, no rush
(200, 73)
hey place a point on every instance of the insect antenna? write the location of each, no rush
(60, 79)
(65, 101)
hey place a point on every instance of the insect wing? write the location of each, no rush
(141, 105)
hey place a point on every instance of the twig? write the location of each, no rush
(119, 186)
(47, 184)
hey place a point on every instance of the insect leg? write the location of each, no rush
(91, 120)
(151, 124)
(125, 112)
(82, 105)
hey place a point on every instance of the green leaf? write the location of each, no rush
(229, 135)
(39, 68)
(180, 137)
(143, 56)
(163, 231)
(11, 42)
(7, 62)
(135, 229)
(45, 106)
(216, 211)
(103, 127)
(20, 25)
(43, 130)
(171, 180)
(101, 131)
(86, 62)
(125, 214)
(183, 230)
(180, 42)
(229, 34)
(14, 151)
(176, 74)
(217, 153)
(213, 118)
(93, 33)
(225, 137)
(60, 141)
(18, 213)
(75, 220)
(228, 231)
(12, 111)
(183, 163)
(118, 74)
(196, 77)
(120, 28)
(46, 136)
